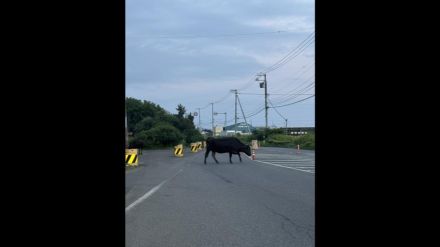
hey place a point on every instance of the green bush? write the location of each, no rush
(161, 135)
(280, 138)
(165, 135)
(145, 124)
(287, 141)
(258, 135)
(246, 139)
(306, 141)
(192, 135)
(141, 140)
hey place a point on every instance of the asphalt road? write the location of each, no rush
(270, 201)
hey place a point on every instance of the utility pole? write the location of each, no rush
(225, 119)
(264, 83)
(236, 97)
(242, 112)
(126, 130)
(212, 118)
(200, 125)
(286, 125)
(265, 96)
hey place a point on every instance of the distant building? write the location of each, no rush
(206, 132)
(242, 128)
(299, 130)
(218, 130)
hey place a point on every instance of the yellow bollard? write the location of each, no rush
(178, 150)
(193, 147)
(131, 157)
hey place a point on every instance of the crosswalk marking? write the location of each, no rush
(302, 164)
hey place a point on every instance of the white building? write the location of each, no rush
(218, 130)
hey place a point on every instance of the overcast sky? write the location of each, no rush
(193, 52)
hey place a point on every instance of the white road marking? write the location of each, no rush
(293, 163)
(293, 168)
(308, 160)
(304, 167)
(149, 193)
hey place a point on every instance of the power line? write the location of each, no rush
(283, 86)
(252, 115)
(277, 111)
(258, 109)
(293, 50)
(292, 54)
(296, 90)
(206, 36)
(308, 88)
(222, 99)
(249, 83)
(205, 106)
(289, 59)
(216, 102)
(293, 102)
(273, 94)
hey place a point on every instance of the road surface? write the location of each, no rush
(179, 201)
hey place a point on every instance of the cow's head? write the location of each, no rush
(247, 150)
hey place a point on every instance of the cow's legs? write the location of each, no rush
(206, 154)
(230, 157)
(239, 156)
(213, 156)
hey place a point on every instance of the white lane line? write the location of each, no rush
(291, 161)
(303, 167)
(149, 193)
(293, 165)
(296, 163)
(284, 166)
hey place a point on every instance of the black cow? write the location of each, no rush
(229, 145)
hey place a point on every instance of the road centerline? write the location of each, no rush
(150, 192)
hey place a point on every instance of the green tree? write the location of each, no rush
(154, 126)
(141, 140)
(191, 117)
(134, 112)
(192, 135)
(145, 124)
(180, 111)
(165, 135)
(137, 110)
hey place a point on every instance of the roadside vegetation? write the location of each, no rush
(277, 138)
(152, 127)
